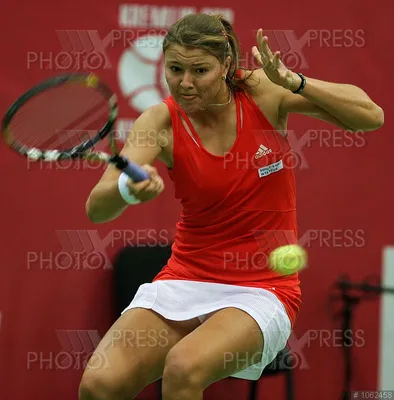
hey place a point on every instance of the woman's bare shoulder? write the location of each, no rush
(259, 84)
(265, 94)
(157, 116)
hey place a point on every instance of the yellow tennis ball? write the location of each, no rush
(289, 259)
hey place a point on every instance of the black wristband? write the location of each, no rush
(302, 86)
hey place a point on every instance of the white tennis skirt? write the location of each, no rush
(181, 300)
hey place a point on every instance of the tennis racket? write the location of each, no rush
(63, 118)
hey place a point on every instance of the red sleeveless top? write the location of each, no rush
(237, 208)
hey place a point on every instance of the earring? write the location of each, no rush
(224, 78)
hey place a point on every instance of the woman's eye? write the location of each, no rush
(202, 70)
(175, 69)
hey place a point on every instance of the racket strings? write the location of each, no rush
(47, 103)
(62, 117)
(44, 129)
(80, 130)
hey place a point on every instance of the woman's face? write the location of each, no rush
(194, 77)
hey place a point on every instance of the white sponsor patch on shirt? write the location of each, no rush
(269, 169)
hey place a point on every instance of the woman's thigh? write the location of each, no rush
(132, 353)
(226, 343)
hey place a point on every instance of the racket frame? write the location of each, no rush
(79, 151)
(133, 170)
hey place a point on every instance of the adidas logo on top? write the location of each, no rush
(262, 151)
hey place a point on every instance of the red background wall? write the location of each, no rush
(345, 196)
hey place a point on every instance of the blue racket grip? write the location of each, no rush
(135, 172)
(132, 170)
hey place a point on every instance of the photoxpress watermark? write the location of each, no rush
(290, 154)
(333, 238)
(140, 338)
(323, 338)
(330, 138)
(79, 347)
(296, 358)
(84, 249)
(93, 158)
(292, 46)
(267, 241)
(67, 163)
(86, 49)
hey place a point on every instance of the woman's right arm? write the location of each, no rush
(143, 146)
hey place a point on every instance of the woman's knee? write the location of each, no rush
(98, 386)
(182, 369)
(95, 387)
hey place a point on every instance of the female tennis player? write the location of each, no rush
(216, 309)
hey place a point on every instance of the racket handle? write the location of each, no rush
(132, 170)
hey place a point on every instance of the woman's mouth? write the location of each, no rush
(188, 96)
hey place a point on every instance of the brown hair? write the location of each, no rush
(215, 35)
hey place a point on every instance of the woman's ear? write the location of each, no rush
(227, 65)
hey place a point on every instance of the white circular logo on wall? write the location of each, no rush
(141, 73)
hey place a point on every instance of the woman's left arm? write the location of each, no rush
(344, 105)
